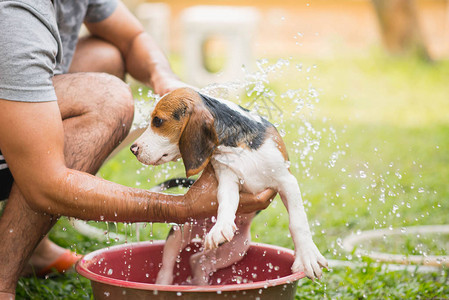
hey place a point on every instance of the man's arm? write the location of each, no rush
(31, 139)
(144, 59)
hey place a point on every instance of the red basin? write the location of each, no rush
(129, 271)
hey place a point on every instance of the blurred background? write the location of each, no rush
(327, 27)
(314, 29)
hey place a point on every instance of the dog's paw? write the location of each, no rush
(164, 278)
(200, 266)
(200, 276)
(309, 260)
(220, 233)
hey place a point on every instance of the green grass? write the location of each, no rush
(372, 282)
(378, 133)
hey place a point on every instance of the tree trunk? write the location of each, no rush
(398, 20)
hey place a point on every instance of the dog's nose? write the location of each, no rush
(134, 149)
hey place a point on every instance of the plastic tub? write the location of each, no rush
(128, 272)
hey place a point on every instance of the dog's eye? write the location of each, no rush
(157, 122)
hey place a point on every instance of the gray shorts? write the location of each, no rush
(30, 49)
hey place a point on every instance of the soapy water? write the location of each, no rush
(370, 194)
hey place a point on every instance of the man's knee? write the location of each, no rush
(117, 106)
(104, 98)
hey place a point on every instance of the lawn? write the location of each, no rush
(368, 140)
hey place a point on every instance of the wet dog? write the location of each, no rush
(247, 154)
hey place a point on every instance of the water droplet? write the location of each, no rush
(395, 207)
(282, 132)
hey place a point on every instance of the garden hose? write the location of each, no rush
(353, 241)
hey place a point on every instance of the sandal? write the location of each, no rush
(63, 263)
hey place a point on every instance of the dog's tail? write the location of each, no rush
(172, 183)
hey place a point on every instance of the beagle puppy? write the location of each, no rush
(247, 154)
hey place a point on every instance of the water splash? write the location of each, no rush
(295, 111)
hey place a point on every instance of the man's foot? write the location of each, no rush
(48, 257)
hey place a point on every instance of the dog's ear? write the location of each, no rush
(198, 140)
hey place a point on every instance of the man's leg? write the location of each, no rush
(95, 55)
(97, 111)
(20, 231)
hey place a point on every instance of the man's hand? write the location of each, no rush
(201, 199)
